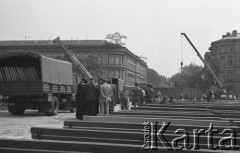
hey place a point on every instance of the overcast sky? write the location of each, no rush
(152, 27)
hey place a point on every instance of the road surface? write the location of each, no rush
(18, 126)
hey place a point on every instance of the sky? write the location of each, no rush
(152, 27)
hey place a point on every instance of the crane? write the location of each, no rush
(74, 59)
(205, 63)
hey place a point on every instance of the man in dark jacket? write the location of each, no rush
(149, 93)
(91, 98)
(81, 92)
(136, 95)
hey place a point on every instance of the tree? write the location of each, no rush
(191, 76)
(157, 80)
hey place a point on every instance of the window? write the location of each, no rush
(117, 74)
(118, 60)
(223, 49)
(222, 60)
(238, 59)
(111, 59)
(238, 74)
(230, 60)
(111, 73)
(222, 74)
(230, 74)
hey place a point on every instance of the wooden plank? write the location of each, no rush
(168, 109)
(117, 137)
(160, 120)
(20, 150)
(75, 124)
(164, 113)
(85, 147)
(170, 116)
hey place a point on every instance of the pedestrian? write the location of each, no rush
(149, 93)
(80, 98)
(159, 94)
(104, 97)
(136, 95)
(157, 99)
(125, 99)
(171, 99)
(143, 97)
(114, 95)
(164, 101)
(91, 98)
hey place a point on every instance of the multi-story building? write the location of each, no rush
(101, 58)
(226, 51)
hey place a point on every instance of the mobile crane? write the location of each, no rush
(205, 63)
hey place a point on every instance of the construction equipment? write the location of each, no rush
(74, 59)
(205, 63)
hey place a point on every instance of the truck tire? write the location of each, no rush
(54, 107)
(16, 110)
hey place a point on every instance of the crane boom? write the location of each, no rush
(74, 59)
(205, 63)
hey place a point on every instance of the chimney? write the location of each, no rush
(228, 34)
(234, 33)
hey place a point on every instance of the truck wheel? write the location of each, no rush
(16, 110)
(54, 107)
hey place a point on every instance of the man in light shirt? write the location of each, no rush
(104, 97)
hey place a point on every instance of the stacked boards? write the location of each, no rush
(9, 74)
(123, 131)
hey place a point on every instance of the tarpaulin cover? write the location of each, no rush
(52, 70)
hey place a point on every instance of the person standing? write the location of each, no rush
(136, 95)
(91, 98)
(80, 97)
(149, 93)
(113, 97)
(125, 99)
(104, 97)
(143, 97)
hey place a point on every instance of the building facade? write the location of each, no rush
(226, 51)
(100, 57)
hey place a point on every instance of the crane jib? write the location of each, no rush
(74, 59)
(205, 63)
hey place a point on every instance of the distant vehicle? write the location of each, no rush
(33, 81)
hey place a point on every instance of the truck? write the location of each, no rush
(30, 80)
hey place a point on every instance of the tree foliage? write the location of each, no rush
(191, 76)
(157, 80)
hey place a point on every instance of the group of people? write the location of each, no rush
(211, 96)
(139, 96)
(100, 98)
(93, 99)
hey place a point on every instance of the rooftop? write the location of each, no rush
(230, 36)
(65, 42)
(50, 42)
